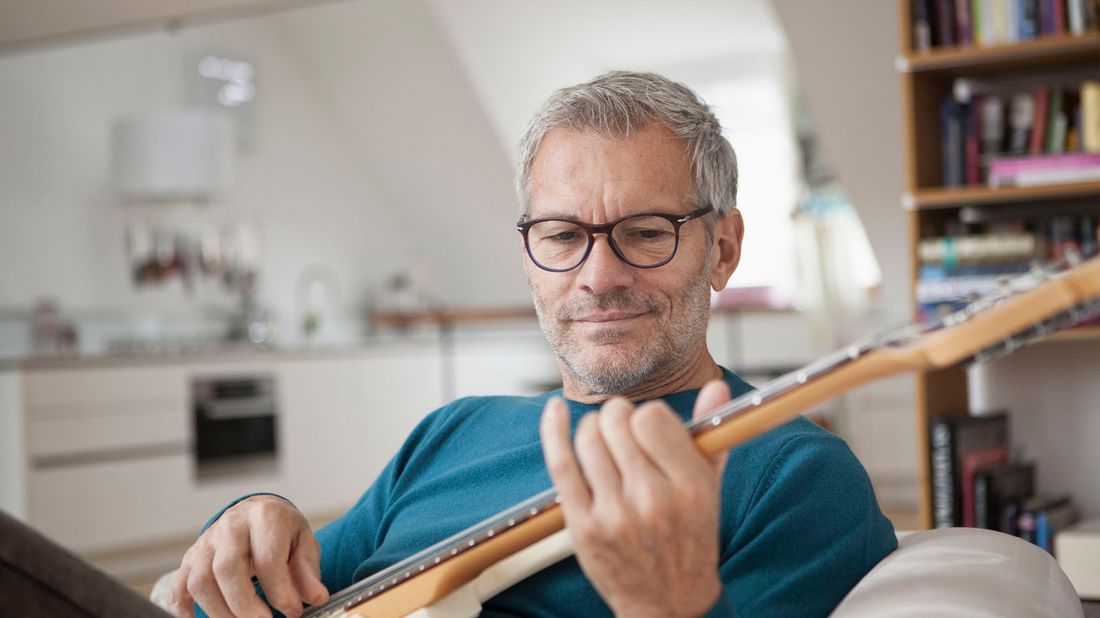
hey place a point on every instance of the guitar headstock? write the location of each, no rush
(1026, 308)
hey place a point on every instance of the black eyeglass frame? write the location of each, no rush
(591, 230)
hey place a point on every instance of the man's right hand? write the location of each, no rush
(262, 536)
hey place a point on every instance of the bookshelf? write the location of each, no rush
(928, 77)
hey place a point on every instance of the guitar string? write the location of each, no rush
(454, 545)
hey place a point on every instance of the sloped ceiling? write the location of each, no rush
(392, 79)
(517, 53)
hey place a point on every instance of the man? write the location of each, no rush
(628, 191)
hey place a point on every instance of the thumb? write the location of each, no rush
(305, 569)
(712, 395)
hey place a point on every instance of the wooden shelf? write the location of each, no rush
(1047, 50)
(949, 197)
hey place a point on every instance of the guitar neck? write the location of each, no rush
(991, 326)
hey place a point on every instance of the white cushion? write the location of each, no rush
(962, 572)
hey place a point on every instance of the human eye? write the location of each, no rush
(558, 232)
(648, 231)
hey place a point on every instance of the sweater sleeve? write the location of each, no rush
(812, 530)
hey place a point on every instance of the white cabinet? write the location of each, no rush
(101, 459)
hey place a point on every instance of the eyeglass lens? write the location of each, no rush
(643, 241)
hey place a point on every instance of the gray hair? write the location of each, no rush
(621, 102)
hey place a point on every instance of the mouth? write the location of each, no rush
(610, 317)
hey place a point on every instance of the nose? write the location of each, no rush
(603, 271)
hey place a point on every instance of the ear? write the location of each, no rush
(728, 233)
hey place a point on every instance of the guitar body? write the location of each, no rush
(466, 601)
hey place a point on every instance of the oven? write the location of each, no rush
(235, 422)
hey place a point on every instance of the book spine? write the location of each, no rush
(1090, 116)
(1054, 112)
(963, 31)
(943, 474)
(922, 26)
(1059, 17)
(945, 23)
(1076, 10)
(1042, 533)
(973, 152)
(1046, 16)
(981, 501)
(1039, 122)
(1029, 19)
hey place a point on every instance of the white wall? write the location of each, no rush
(61, 230)
(844, 54)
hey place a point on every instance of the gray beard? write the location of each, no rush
(659, 359)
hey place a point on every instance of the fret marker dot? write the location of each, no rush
(437, 560)
(471, 543)
(557, 499)
(454, 551)
(534, 511)
(716, 421)
(801, 377)
(511, 522)
(489, 533)
(756, 400)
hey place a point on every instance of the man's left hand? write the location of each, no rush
(641, 503)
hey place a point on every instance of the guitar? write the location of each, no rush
(453, 577)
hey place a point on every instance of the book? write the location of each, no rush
(922, 25)
(1090, 116)
(1029, 19)
(972, 463)
(1021, 115)
(972, 157)
(952, 116)
(1045, 169)
(1078, 550)
(955, 251)
(951, 440)
(1039, 124)
(1055, 138)
(1053, 519)
(945, 23)
(1076, 16)
(964, 33)
(998, 490)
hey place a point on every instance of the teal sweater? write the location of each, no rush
(800, 524)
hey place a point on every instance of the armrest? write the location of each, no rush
(963, 572)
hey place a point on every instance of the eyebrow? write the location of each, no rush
(570, 217)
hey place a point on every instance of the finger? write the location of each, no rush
(596, 462)
(179, 600)
(232, 566)
(663, 438)
(270, 560)
(305, 569)
(629, 458)
(557, 450)
(203, 588)
(713, 394)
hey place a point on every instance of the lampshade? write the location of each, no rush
(185, 155)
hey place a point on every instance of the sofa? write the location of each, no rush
(946, 573)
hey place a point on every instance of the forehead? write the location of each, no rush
(584, 173)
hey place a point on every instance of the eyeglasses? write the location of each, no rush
(643, 241)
